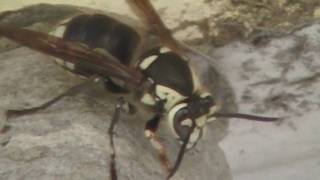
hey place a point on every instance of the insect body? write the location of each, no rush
(99, 32)
(158, 74)
(175, 88)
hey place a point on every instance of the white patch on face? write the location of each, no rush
(170, 95)
(186, 122)
(171, 115)
(195, 135)
(148, 99)
(147, 62)
(201, 121)
(164, 50)
(194, 138)
(59, 32)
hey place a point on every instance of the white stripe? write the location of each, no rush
(164, 50)
(148, 99)
(170, 95)
(147, 62)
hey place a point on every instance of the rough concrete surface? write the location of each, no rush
(280, 77)
(69, 140)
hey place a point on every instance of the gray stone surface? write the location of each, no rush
(69, 140)
(280, 78)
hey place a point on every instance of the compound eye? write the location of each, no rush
(182, 124)
(179, 121)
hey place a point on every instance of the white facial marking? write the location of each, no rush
(194, 137)
(148, 99)
(201, 121)
(147, 61)
(164, 50)
(170, 95)
(187, 122)
(171, 115)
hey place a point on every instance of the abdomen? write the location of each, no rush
(101, 33)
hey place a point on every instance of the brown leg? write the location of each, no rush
(150, 132)
(28, 111)
(115, 119)
(72, 91)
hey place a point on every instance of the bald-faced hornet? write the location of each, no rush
(147, 63)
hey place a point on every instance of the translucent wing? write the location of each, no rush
(149, 16)
(72, 52)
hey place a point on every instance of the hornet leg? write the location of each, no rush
(150, 132)
(72, 91)
(115, 119)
